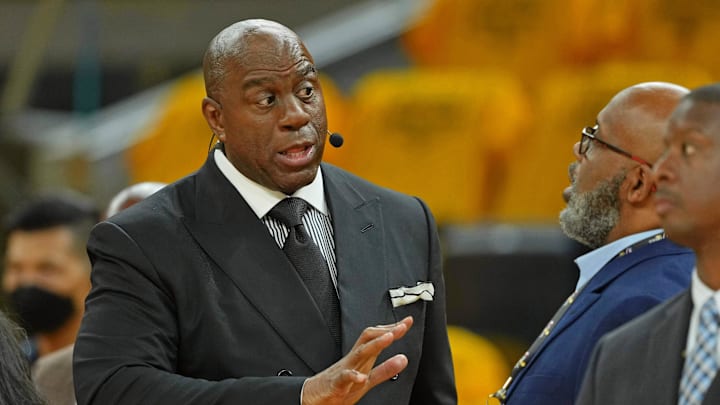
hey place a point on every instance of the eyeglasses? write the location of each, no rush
(588, 135)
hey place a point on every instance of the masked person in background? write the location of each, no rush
(45, 281)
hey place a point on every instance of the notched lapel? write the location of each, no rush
(666, 346)
(582, 303)
(712, 396)
(360, 251)
(229, 232)
(267, 279)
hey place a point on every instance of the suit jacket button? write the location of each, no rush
(395, 377)
(284, 373)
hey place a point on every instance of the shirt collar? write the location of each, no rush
(592, 262)
(701, 292)
(262, 199)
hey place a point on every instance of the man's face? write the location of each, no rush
(688, 174)
(590, 216)
(47, 259)
(271, 113)
(593, 204)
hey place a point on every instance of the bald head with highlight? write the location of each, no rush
(233, 46)
(638, 115)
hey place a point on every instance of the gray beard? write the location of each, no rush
(590, 217)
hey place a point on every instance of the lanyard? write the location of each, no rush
(501, 394)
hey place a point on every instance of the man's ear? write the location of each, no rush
(642, 184)
(212, 111)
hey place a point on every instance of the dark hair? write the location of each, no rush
(71, 210)
(706, 94)
(16, 386)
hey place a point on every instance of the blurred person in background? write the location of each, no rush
(16, 386)
(46, 279)
(632, 267)
(131, 195)
(671, 354)
(200, 291)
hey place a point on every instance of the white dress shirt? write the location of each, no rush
(261, 200)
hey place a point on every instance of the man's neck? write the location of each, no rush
(708, 266)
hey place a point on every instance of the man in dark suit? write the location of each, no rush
(631, 268)
(197, 298)
(652, 360)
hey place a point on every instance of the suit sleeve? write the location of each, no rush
(435, 382)
(126, 351)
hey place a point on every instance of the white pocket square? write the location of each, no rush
(407, 295)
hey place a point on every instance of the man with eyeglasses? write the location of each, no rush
(671, 354)
(632, 267)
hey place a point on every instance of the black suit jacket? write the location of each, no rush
(193, 301)
(641, 362)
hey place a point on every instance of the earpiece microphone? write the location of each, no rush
(336, 139)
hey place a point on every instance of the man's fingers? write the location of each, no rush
(374, 340)
(366, 353)
(408, 320)
(383, 372)
(398, 329)
(352, 376)
(387, 369)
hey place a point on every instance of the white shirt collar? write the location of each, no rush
(260, 198)
(592, 262)
(700, 291)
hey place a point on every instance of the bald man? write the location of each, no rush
(131, 195)
(632, 267)
(667, 356)
(266, 277)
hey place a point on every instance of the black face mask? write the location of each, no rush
(39, 310)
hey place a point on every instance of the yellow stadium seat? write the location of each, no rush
(565, 103)
(176, 143)
(515, 35)
(442, 135)
(480, 366)
(336, 105)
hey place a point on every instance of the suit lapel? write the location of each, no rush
(667, 348)
(712, 396)
(240, 244)
(593, 290)
(360, 251)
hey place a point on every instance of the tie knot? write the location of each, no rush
(290, 211)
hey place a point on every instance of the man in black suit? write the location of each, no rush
(196, 298)
(670, 355)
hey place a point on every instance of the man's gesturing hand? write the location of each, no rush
(348, 380)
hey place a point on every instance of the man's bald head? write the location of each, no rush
(611, 195)
(231, 45)
(639, 114)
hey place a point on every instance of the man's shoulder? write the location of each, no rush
(58, 361)
(639, 329)
(338, 175)
(660, 270)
